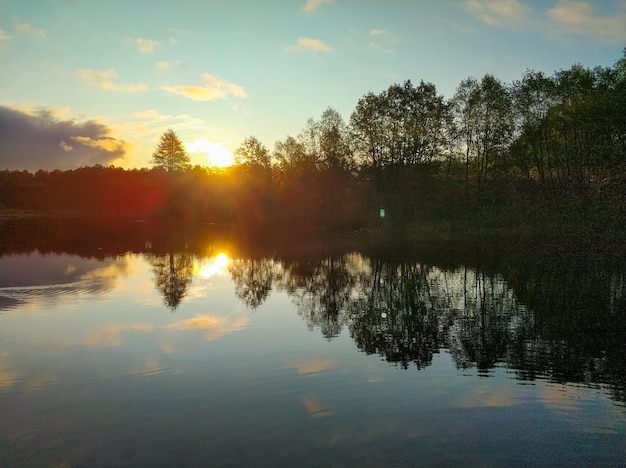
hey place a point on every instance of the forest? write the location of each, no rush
(544, 151)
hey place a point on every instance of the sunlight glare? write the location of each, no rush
(216, 153)
(213, 266)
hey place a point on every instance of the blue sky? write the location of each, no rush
(87, 81)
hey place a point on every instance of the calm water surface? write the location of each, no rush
(216, 357)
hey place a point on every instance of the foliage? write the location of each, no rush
(253, 153)
(170, 154)
(543, 149)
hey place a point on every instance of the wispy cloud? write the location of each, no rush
(582, 18)
(310, 44)
(164, 65)
(104, 79)
(145, 46)
(31, 31)
(498, 12)
(566, 17)
(152, 123)
(4, 36)
(312, 5)
(381, 41)
(213, 88)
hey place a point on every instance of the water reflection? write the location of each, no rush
(561, 319)
(172, 275)
(253, 278)
(42, 280)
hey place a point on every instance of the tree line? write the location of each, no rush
(506, 146)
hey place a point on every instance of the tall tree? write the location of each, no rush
(293, 158)
(170, 154)
(483, 112)
(253, 153)
(334, 141)
(533, 96)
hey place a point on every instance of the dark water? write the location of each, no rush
(136, 349)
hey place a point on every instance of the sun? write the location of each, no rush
(217, 155)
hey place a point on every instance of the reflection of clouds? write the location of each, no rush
(148, 367)
(310, 366)
(41, 380)
(559, 398)
(167, 348)
(8, 374)
(573, 403)
(484, 397)
(196, 292)
(216, 327)
(315, 408)
(43, 280)
(112, 335)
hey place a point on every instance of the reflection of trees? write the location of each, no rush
(490, 321)
(321, 290)
(395, 314)
(563, 326)
(580, 323)
(172, 274)
(253, 280)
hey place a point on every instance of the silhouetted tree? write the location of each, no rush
(252, 153)
(170, 154)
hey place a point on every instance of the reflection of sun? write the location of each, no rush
(212, 266)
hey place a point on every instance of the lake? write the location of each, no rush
(129, 347)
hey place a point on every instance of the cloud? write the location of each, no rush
(41, 141)
(216, 327)
(310, 44)
(165, 66)
(145, 46)
(4, 36)
(498, 12)
(575, 17)
(312, 5)
(583, 19)
(381, 41)
(151, 124)
(30, 31)
(213, 88)
(104, 78)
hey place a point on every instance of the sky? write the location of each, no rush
(85, 82)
